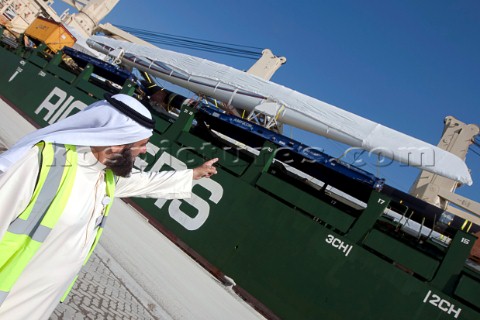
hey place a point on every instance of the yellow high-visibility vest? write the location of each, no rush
(29, 230)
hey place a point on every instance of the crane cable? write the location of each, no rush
(230, 49)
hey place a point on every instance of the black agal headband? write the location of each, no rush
(129, 112)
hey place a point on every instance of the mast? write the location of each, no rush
(281, 105)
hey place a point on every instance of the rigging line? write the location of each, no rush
(205, 47)
(184, 37)
(213, 51)
(200, 45)
(192, 42)
(137, 31)
(236, 53)
(193, 45)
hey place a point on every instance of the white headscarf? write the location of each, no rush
(99, 124)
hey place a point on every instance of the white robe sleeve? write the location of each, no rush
(16, 188)
(163, 184)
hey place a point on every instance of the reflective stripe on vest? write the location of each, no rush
(110, 190)
(30, 229)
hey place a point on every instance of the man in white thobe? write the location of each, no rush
(53, 267)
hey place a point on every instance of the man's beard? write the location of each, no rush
(121, 164)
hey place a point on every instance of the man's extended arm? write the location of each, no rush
(163, 184)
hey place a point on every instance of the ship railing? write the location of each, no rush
(400, 220)
(7, 40)
(416, 229)
(404, 223)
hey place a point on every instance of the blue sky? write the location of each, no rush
(405, 64)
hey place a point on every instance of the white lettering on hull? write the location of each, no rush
(339, 244)
(59, 105)
(201, 205)
(442, 304)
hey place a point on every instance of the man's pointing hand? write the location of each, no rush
(206, 170)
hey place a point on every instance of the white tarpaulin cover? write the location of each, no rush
(247, 91)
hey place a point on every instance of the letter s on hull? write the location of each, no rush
(201, 205)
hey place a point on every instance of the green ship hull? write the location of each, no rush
(294, 251)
